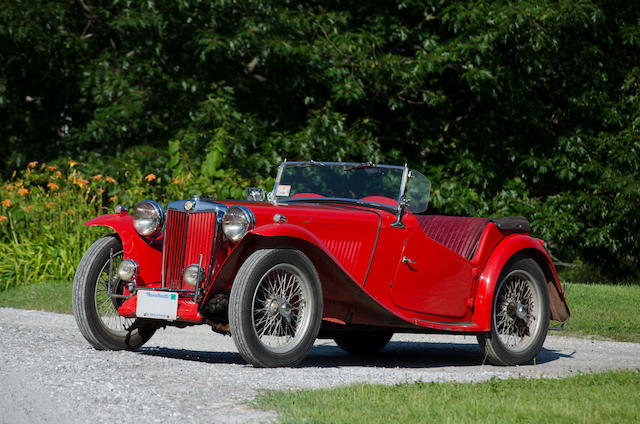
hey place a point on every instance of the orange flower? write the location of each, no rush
(53, 186)
(58, 174)
(32, 164)
(28, 208)
(113, 199)
(97, 177)
(9, 187)
(49, 205)
(23, 191)
(81, 182)
(6, 202)
(109, 180)
(3, 218)
(175, 181)
(72, 163)
(150, 177)
(52, 168)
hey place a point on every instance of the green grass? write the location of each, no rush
(604, 311)
(50, 296)
(599, 398)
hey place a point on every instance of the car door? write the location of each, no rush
(431, 279)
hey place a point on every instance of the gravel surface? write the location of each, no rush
(49, 373)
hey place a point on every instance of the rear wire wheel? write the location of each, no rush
(275, 308)
(96, 312)
(520, 314)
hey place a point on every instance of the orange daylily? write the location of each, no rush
(53, 186)
(49, 205)
(150, 177)
(109, 180)
(97, 177)
(113, 199)
(3, 218)
(52, 168)
(32, 164)
(23, 191)
(6, 202)
(81, 182)
(72, 163)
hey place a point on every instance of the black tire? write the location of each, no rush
(363, 343)
(95, 312)
(275, 308)
(519, 316)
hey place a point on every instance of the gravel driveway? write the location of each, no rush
(49, 373)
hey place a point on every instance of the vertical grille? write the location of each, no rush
(188, 235)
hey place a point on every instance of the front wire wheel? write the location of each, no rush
(520, 315)
(96, 312)
(275, 308)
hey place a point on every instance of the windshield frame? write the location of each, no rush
(400, 199)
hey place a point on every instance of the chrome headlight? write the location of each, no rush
(193, 274)
(128, 270)
(148, 218)
(237, 222)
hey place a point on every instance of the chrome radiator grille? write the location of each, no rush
(187, 236)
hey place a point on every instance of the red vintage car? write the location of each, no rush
(337, 250)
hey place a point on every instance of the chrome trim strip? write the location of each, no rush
(164, 247)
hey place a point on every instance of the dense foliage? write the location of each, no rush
(525, 107)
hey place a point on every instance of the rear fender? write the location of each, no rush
(147, 254)
(503, 252)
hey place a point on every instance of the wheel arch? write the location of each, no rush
(147, 254)
(503, 253)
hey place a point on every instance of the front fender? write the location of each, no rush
(147, 254)
(509, 246)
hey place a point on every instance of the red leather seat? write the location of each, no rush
(457, 233)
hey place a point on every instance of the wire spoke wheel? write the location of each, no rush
(279, 307)
(275, 307)
(107, 306)
(96, 301)
(520, 314)
(517, 311)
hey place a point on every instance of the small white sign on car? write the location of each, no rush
(157, 305)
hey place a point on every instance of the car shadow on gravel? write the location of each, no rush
(194, 355)
(411, 355)
(394, 355)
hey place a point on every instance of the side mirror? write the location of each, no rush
(255, 194)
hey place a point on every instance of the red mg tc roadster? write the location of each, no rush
(336, 250)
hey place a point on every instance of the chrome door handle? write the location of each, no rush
(407, 261)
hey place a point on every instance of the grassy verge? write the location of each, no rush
(50, 296)
(606, 397)
(604, 311)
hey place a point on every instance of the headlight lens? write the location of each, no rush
(193, 274)
(148, 218)
(128, 270)
(237, 222)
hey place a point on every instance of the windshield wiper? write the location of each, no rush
(362, 165)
